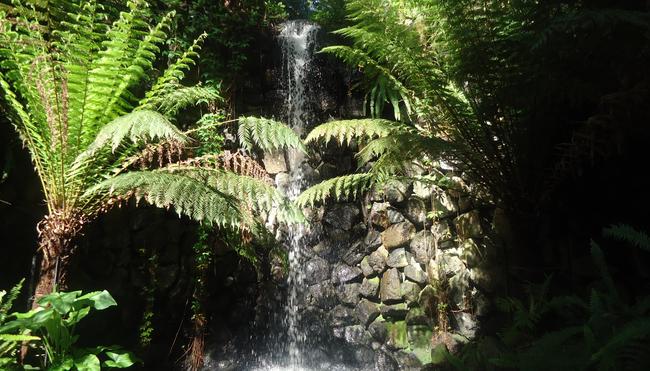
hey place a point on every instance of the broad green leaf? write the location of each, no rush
(89, 362)
(119, 359)
(100, 300)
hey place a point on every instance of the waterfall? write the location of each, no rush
(298, 42)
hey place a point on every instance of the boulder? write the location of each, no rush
(317, 269)
(366, 269)
(468, 225)
(394, 311)
(397, 335)
(372, 240)
(377, 260)
(356, 335)
(378, 330)
(349, 293)
(322, 295)
(417, 316)
(274, 162)
(341, 316)
(410, 290)
(397, 235)
(342, 216)
(366, 312)
(390, 290)
(416, 211)
(414, 272)
(379, 215)
(421, 246)
(354, 254)
(370, 288)
(397, 258)
(396, 192)
(344, 273)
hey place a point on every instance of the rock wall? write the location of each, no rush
(396, 275)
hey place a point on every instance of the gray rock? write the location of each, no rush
(366, 269)
(396, 192)
(338, 332)
(342, 216)
(372, 240)
(410, 290)
(441, 231)
(414, 272)
(354, 254)
(422, 247)
(377, 260)
(370, 288)
(364, 355)
(349, 293)
(398, 258)
(378, 330)
(390, 290)
(316, 270)
(322, 249)
(341, 316)
(384, 362)
(467, 324)
(344, 273)
(356, 335)
(397, 235)
(416, 211)
(394, 311)
(394, 216)
(444, 204)
(366, 311)
(379, 215)
(322, 295)
(408, 361)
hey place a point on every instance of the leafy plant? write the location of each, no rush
(71, 88)
(11, 341)
(54, 320)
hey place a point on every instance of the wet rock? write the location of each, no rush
(356, 335)
(338, 332)
(322, 249)
(349, 293)
(384, 362)
(422, 247)
(414, 272)
(322, 295)
(390, 290)
(410, 290)
(317, 269)
(366, 311)
(370, 288)
(364, 355)
(394, 311)
(377, 260)
(341, 316)
(397, 258)
(408, 361)
(366, 269)
(342, 216)
(344, 273)
(397, 235)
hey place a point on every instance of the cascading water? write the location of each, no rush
(298, 43)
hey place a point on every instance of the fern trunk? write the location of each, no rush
(56, 246)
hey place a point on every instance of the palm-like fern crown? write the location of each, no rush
(69, 81)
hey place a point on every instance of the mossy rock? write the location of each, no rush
(397, 334)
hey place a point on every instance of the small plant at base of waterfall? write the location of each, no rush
(54, 320)
(599, 330)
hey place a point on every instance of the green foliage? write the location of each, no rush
(10, 342)
(54, 320)
(267, 135)
(602, 332)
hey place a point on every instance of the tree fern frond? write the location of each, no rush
(633, 330)
(137, 126)
(344, 131)
(628, 234)
(6, 303)
(393, 152)
(233, 162)
(187, 195)
(337, 189)
(178, 97)
(267, 135)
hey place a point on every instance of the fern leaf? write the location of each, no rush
(337, 189)
(267, 135)
(345, 130)
(628, 234)
(635, 329)
(178, 97)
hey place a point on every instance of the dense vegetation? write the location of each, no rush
(540, 106)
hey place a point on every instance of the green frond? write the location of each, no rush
(337, 189)
(628, 234)
(267, 135)
(633, 330)
(190, 196)
(343, 131)
(179, 97)
(141, 126)
(395, 152)
(6, 303)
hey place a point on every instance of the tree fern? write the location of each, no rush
(628, 234)
(345, 130)
(337, 189)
